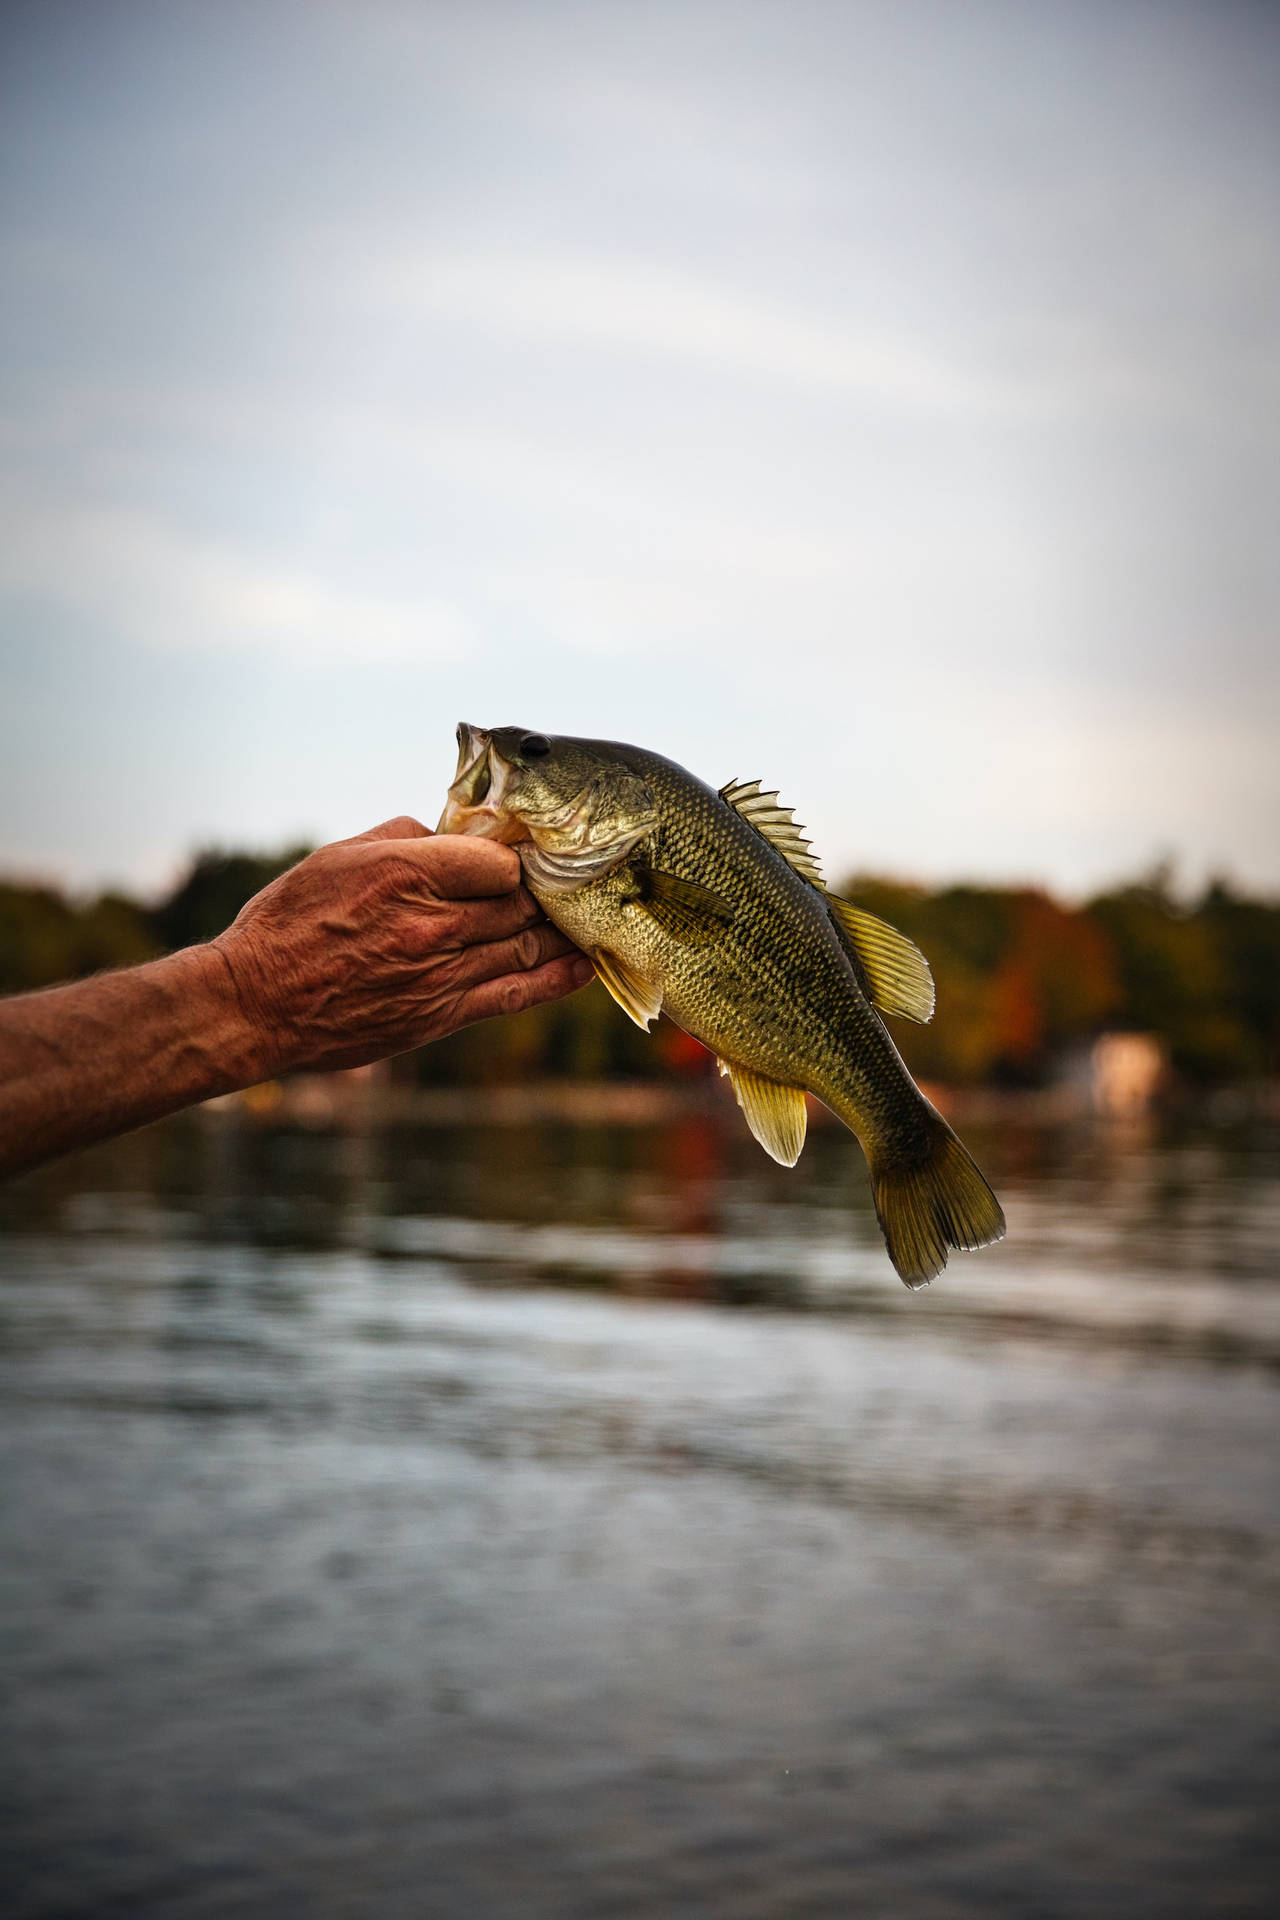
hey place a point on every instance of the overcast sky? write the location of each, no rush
(882, 400)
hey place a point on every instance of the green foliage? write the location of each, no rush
(583, 1038)
(1207, 980)
(1248, 940)
(214, 891)
(45, 938)
(1021, 978)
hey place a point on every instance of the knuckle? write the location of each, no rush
(511, 996)
(528, 946)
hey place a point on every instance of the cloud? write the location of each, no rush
(730, 379)
(155, 584)
(632, 305)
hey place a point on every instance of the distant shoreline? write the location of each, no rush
(368, 1097)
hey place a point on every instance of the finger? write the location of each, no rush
(437, 926)
(527, 951)
(403, 827)
(457, 866)
(470, 923)
(512, 992)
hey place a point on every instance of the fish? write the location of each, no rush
(709, 905)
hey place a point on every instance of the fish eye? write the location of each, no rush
(534, 745)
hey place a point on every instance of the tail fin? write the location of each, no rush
(926, 1206)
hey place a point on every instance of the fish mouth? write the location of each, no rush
(477, 800)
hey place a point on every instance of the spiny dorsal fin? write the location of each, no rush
(775, 1114)
(897, 973)
(638, 1000)
(776, 824)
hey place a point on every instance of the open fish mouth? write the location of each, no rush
(477, 801)
(565, 841)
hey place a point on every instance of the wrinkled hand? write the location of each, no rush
(377, 944)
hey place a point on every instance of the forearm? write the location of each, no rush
(101, 1056)
(365, 949)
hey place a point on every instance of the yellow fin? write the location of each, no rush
(685, 909)
(775, 1114)
(930, 1205)
(638, 1000)
(898, 976)
(776, 824)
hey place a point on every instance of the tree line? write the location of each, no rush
(1022, 978)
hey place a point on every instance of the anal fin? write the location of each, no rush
(775, 1113)
(639, 1000)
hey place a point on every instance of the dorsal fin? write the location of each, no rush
(775, 824)
(893, 969)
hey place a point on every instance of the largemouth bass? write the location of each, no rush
(710, 906)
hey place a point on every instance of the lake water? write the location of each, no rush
(584, 1522)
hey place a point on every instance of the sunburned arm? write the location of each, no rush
(369, 947)
(101, 1056)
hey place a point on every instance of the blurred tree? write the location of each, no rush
(583, 1038)
(35, 936)
(1020, 977)
(1173, 981)
(1206, 978)
(1248, 938)
(215, 889)
(113, 931)
(45, 938)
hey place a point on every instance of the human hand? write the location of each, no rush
(377, 944)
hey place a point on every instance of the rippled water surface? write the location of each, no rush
(584, 1522)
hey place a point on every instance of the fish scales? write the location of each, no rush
(683, 903)
(779, 993)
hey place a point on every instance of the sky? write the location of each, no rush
(880, 400)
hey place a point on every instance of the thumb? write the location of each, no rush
(403, 827)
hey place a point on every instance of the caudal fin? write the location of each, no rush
(927, 1206)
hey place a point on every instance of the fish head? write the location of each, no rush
(572, 807)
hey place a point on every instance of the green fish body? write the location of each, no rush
(708, 906)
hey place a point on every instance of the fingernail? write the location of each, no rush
(581, 970)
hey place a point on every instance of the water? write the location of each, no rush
(584, 1522)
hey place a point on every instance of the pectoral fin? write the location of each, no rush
(897, 974)
(638, 1000)
(682, 908)
(775, 1114)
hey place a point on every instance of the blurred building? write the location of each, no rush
(1127, 1072)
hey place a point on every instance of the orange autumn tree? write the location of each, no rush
(1019, 977)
